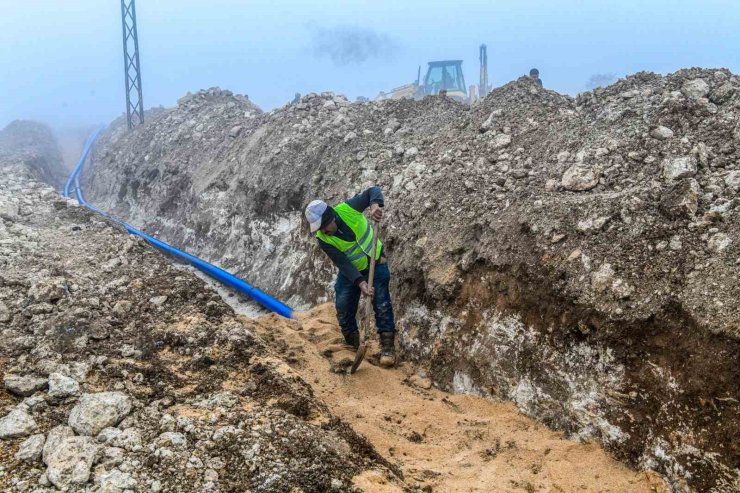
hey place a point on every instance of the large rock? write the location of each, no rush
(97, 411)
(77, 370)
(61, 386)
(172, 439)
(116, 480)
(129, 439)
(695, 89)
(679, 167)
(70, 463)
(723, 93)
(48, 290)
(5, 315)
(107, 435)
(500, 140)
(719, 242)
(17, 423)
(31, 449)
(23, 385)
(592, 224)
(54, 438)
(579, 178)
(732, 180)
(681, 200)
(488, 124)
(661, 133)
(603, 278)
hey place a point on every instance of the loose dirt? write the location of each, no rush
(442, 442)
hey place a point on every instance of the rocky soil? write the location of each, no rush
(123, 373)
(576, 256)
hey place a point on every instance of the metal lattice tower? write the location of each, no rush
(483, 86)
(131, 65)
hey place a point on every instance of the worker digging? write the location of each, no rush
(346, 236)
(564, 312)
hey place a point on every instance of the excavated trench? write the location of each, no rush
(189, 364)
(575, 257)
(630, 385)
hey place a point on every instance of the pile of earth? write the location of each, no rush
(35, 144)
(122, 372)
(577, 256)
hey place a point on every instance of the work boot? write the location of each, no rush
(352, 339)
(387, 349)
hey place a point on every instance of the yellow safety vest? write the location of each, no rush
(358, 251)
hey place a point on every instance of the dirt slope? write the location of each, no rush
(132, 375)
(445, 442)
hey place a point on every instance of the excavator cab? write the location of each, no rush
(445, 75)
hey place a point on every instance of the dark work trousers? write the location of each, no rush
(348, 298)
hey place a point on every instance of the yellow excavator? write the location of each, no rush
(443, 75)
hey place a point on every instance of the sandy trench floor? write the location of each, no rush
(442, 442)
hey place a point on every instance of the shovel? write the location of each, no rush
(360, 355)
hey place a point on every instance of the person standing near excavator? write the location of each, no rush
(534, 74)
(346, 236)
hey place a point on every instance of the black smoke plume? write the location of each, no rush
(349, 45)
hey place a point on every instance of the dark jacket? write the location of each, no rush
(360, 202)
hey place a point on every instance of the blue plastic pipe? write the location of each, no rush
(85, 152)
(217, 273)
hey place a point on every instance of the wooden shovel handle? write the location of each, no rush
(371, 277)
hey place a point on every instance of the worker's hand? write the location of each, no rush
(376, 212)
(366, 290)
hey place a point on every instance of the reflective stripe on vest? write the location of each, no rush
(357, 252)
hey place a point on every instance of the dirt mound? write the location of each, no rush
(34, 143)
(577, 256)
(162, 387)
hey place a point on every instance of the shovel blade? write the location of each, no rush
(359, 356)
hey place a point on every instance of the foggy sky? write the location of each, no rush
(62, 63)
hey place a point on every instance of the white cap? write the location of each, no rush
(314, 211)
